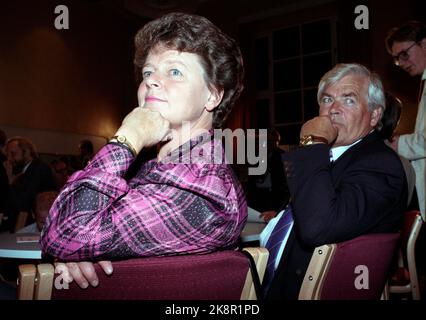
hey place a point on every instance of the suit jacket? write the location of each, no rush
(364, 191)
(273, 194)
(413, 147)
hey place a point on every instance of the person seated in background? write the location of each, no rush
(267, 193)
(27, 176)
(85, 154)
(390, 120)
(358, 188)
(42, 204)
(60, 172)
(192, 74)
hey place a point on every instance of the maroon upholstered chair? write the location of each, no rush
(405, 279)
(350, 270)
(221, 275)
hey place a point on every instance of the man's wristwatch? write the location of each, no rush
(123, 141)
(310, 139)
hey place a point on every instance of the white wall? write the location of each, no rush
(54, 142)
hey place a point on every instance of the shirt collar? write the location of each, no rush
(338, 151)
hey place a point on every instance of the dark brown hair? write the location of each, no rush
(219, 54)
(390, 116)
(410, 31)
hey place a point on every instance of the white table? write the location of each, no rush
(251, 231)
(11, 248)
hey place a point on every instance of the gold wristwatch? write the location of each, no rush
(123, 141)
(311, 139)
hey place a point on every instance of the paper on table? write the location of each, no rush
(253, 216)
(26, 239)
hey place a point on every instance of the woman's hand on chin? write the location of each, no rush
(144, 128)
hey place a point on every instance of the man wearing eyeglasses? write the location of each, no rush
(407, 45)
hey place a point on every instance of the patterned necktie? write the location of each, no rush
(274, 243)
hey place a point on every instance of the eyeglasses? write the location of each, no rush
(403, 55)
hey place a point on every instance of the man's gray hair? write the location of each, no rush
(376, 95)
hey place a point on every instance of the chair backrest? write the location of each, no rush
(42, 203)
(221, 275)
(410, 231)
(405, 279)
(354, 269)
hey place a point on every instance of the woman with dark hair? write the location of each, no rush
(390, 121)
(391, 116)
(192, 74)
(218, 54)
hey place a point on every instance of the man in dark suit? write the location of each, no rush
(361, 188)
(27, 175)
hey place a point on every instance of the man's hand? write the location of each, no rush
(82, 272)
(144, 128)
(320, 126)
